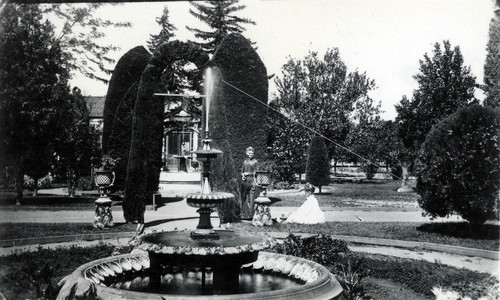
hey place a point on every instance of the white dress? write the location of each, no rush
(308, 213)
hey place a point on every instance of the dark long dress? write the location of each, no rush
(247, 189)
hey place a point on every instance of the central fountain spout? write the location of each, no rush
(206, 201)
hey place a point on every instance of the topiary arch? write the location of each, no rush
(143, 170)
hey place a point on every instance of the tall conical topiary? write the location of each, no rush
(236, 120)
(318, 165)
(128, 70)
(143, 170)
(121, 135)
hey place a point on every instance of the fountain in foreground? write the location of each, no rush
(205, 262)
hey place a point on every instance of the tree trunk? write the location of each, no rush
(35, 192)
(19, 180)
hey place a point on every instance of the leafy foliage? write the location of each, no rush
(364, 137)
(78, 144)
(321, 248)
(318, 164)
(18, 270)
(352, 271)
(289, 142)
(218, 15)
(33, 86)
(236, 121)
(492, 64)
(444, 85)
(81, 38)
(319, 94)
(460, 165)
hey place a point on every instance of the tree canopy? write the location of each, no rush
(444, 85)
(492, 64)
(320, 94)
(81, 38)
(33, 87)
(219, 17)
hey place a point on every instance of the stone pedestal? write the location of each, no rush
(103, 217)
(405, 187)
(262, 215)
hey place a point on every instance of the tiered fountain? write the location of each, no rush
(205, 262)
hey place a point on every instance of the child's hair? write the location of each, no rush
(250, 148)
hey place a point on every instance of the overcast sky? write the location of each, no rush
(385, 38)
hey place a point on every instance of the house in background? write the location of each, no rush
(95, 105)
(182, 126)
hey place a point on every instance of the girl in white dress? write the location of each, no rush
(309, 212)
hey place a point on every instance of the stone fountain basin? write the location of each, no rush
(322, 285)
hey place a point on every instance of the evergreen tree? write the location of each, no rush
(33, 86)
(318, 164)
(237, 121)
(218, 15)
(166, 32)
(444, 85)
(121, 135)
(492, 65)
(144, 163)
(128, 70)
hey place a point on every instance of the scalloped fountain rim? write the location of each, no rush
(318, 282)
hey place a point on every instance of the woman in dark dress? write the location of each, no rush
(247, 188)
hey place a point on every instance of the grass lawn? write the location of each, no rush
(349, 195)
(15, 283)
(452, 233)
(398, 278)
(30, 230)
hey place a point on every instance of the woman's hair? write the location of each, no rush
(250, 148)
(309, 187)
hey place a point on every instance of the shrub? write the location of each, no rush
(85, 183)
(143, 168)
(321, 248)
(318, 165)
(459, 165)
(237, 121)
(128, 69)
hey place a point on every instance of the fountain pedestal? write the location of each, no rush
(222, 257)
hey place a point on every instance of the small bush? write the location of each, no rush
(459, 165)
(321, 248)
(85, 184)
(283, 185)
